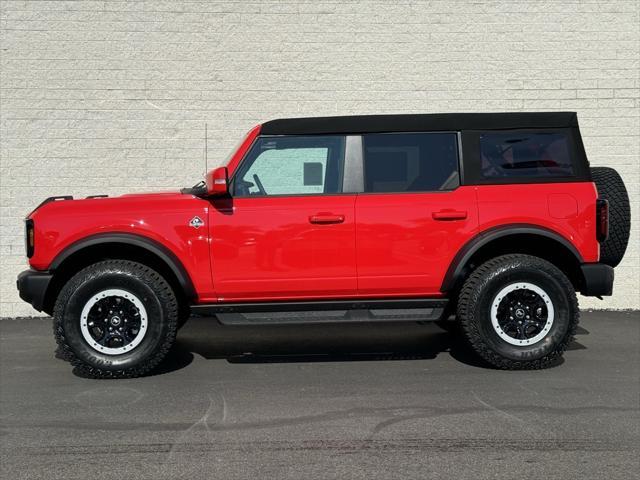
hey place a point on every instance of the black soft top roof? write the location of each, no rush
(419, 123)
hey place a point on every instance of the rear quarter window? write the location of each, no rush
(525, 154)
(534, 155)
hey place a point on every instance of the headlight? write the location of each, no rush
(29, 237)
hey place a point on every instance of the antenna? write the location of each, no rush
(206, 157)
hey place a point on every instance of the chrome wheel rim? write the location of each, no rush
(522, 314)
(113, 321)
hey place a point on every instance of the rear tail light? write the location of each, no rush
(602, 220)
(29, 237)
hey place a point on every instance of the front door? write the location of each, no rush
(413, 216)
(288, 232)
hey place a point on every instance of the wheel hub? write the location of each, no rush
(522, 314)
(113, 321)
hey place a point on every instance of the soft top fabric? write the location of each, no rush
(418, 123)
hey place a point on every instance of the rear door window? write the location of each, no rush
(525, 154)
(410, 162)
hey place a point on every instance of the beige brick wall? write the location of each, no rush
(111, 97)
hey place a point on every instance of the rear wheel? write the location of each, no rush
(115, 318)
(518, 312)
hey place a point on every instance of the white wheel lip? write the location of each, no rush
(113, 292)
(520, 286)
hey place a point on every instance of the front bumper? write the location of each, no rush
(597, 279)
(32, 287)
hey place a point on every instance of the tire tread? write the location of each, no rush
(165, 294)
(611, 187)
(468, 298)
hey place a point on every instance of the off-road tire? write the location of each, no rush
(611, 188)
(478, 294)
(158, 299)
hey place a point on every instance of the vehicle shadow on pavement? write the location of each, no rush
(319, 343)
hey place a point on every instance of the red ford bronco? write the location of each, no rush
(489, 222)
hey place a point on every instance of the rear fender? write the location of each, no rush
(455, 273)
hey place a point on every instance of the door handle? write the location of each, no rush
(322, 219)
(445, 215)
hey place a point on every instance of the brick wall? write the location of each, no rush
(112, 97)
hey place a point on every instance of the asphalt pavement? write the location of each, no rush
(380, 401)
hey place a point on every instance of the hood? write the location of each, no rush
(96, 203)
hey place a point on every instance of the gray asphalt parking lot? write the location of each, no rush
(358, 401)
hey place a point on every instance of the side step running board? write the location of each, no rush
(331, 311)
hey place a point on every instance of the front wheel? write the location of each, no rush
(518, 312)
(115, 318)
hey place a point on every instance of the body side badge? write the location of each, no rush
(196, 222)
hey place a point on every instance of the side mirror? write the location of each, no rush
(218, 182)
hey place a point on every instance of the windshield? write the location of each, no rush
(235, 149)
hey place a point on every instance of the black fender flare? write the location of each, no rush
(456, 268)
(152, 246)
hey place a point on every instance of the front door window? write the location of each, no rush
(298, 165)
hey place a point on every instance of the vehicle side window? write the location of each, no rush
(292, 165)
(410, 162)
(521, 154)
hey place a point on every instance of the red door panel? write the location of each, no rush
(406, 242)
(271, 248)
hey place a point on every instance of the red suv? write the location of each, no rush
(490, 222)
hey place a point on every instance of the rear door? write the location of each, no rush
(413, 216)
(288, 232)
